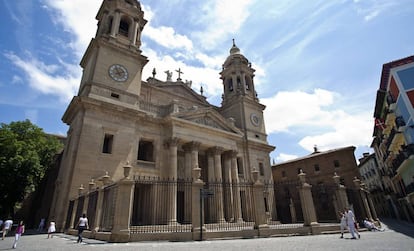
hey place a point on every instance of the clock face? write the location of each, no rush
(118, 73)
(254, 118)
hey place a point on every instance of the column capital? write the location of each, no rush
(216, 150)
(173, 141)
(192, 146)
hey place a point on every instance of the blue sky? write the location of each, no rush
(318, 63)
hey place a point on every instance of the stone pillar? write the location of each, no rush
(361, 192)
(342, 198)
(197, 185)
(72, 222)
(228, 195)
(172, 188)
(371, 205)
(98, 214)
(306, 200)
(219, 190)
(123, 208)
(260, 221)
(115, 24)
(236, 188)
(364, 195)
(134, 33)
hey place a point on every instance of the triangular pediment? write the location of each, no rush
(181, 90)
(209, 117)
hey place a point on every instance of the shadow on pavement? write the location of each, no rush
(403, 227)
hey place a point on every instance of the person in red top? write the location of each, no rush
(19, 232)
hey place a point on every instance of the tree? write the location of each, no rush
(26, 154)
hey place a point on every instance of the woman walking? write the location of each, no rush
(82, 225)
(19, 232)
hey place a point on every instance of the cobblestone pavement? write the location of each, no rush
(397, 236)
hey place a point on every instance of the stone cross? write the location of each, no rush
(179, 74)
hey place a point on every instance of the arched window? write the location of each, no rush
(124, 27)
(230, 83)
(108, 26)
(247, 81)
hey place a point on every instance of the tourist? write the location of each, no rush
(343, 223)
(41, 225)
(370, 225)
(350, 220)
(19, 232)
(51, 229)
(7, 225)
(82, 225)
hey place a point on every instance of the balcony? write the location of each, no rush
(404, 158)
(399, 121)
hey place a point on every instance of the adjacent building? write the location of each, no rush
(394, 135)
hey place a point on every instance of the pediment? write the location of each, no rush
(182, 90)
(209, 117)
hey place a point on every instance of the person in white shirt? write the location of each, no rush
(7, 225)
(350, 220)
(343, 223)
(82, 225)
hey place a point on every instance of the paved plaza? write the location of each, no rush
(397, 236)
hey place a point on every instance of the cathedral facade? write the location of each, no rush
(159, 129)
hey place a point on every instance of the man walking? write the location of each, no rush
(350, 220)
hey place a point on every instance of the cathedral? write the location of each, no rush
(124, 128)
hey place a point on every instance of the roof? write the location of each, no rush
(316, 154)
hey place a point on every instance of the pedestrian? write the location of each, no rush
(19, 232)
(82, 225)
(343, 223)
(350, 220)
(41, 225)
(51, 229)
(7, 225)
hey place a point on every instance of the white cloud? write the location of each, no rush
(167, 37)
(44, 78)
(222, 17)
(76, 17)
(314, 117)
(282, 157)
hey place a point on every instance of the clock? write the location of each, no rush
(254, 118)
(118, 72)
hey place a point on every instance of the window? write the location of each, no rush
(107, 144)
(230, 83)
(336, 163)
(261, 168)
(115, 95)
(124, 28)
(146, 150)
(240, 170)
(317, 169)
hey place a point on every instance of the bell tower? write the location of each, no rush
(113, 62)
(239, 96)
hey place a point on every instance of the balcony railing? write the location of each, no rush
(405, 153)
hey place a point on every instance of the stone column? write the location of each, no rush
(228, 195)
(123, 208)
(361, 192)
(197, 185)
(115, 24)
(98, 214)
(134, 33)
(219, 179)
(292, 211)
(371, 205)
(342, 198)
(172, 188)
(364, 195)
(260, 221)
(236, 188)
(306, 200)
(72, 222)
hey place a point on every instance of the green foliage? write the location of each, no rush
(26, 154)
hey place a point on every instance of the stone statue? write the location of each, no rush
(169, 75)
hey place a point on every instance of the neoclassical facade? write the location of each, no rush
(161, 129)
